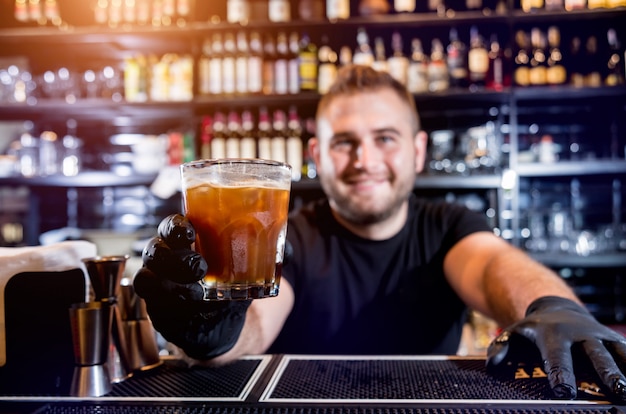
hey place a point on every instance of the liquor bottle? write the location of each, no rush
(248, 142)
(237, 11)
(279, 10)
(556, 73)
(241, 63)
(473, 4)
(228, 64)
(327, 68)
(592, 63)
(279, 137)
(554, 5)
(380, 56)
(206, 135)
(311, 9)
(531, 5)
(495, 74)
(215, 65)
(438, 76)
(571, 5)
(614, 66)
(269, 58)
(293, 63)
(478, 59)
(294, 144)
(345, 55)
(337, 9)
(233, 135)
(363, 54)
(612, 4)
(204, 70)
(281, 65)
(398, 63)
(575, 63)
(596, 4)
(255, 64)
(417, 72)
(308, 64)
(456, 58)
(373, 7)
(264, 142)
(521, 75)
(537, 74)
(402, 6)
(218, 142)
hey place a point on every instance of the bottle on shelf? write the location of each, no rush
(457, 59)
(345, 55)
(264, 139)
(596, 4)
(215, 64)
(473, 5)
(404, 6)
(531, 5)
(337, 9)
(218, 141)
(327, 68)
(281, 65)
(555, 73)
(204, 70)
(438, 77)
(237, 11)
(363, 54)
(521, 74)
(241, 63)
(571, 5)
(417, 71)
(269, 59)
(278, 141)
(228, 64)
(206, 135)
(496, 74)
(293, 63)
(248, 142)
(307, 56)
(311, 9)
(233, 135)
(575, 63)
(380, 55)
(478, 59)
(294, 143)
(592, 63)
(538, 68)
(279, 10)
(255, 64)
(398, 63)
(615, 63)
(373, 7)
(554, 5)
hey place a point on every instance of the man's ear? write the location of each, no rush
(314, 149)
(421, 145)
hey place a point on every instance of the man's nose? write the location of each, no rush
(364, 155)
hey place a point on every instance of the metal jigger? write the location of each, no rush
(91, 327)
(143, 350)
(105, 273)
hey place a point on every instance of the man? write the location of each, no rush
(376, 270)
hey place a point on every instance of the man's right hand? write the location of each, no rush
(169, 282)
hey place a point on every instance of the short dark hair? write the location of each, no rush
(353, 79)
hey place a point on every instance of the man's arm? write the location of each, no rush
(499, 280)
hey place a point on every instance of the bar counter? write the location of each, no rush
(294, 384)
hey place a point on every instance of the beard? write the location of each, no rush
(372, 210)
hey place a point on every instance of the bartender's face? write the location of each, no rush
(367, 155)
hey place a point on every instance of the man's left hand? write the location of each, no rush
(556, 326)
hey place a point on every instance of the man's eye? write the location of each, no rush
(386, 139)
(342, 145)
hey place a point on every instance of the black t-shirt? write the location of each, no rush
(358, 296)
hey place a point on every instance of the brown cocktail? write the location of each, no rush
(239, 210)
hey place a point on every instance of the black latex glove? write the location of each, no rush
(168, 281)
(559, 328)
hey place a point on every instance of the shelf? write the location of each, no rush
(573, 168)
(87, 179)
(605, 260)
(566, 93)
